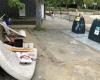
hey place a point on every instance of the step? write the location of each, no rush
(24, 21)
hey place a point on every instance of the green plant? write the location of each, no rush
(15, 3)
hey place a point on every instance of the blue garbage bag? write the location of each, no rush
(8, 21)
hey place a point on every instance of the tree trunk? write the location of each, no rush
(38, 14)
(45, 7)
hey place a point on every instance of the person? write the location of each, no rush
(76, 12)
(52, 14)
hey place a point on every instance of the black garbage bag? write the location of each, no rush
(78, 25)
(18, 43)
(94, 33)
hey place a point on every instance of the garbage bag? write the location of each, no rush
(94, 33)
(78, 25)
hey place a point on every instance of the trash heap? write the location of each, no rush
(94, 33)
(78, 25)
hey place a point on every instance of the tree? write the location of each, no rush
(88, 2)
(15, 3)
(38, 15)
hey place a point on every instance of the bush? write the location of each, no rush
(15, 3)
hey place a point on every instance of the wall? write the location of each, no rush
(30, 8)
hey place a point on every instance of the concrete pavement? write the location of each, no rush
(61, 57)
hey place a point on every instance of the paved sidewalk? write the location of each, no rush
(61, 57)
(83, 38)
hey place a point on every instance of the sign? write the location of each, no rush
(97, 30)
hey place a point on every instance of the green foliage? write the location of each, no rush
(98, 1)
(56, 4)
(51, 3)
(15, 3)
(88, 2)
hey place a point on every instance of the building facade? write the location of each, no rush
(28, 11)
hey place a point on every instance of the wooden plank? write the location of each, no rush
(20, 49)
